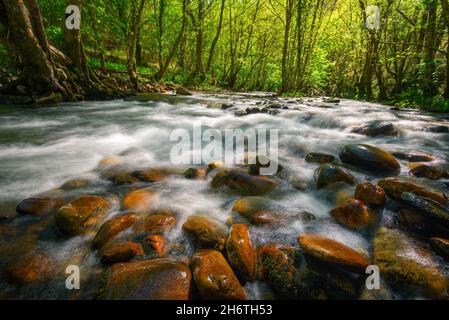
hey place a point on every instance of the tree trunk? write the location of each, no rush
(217, 36)
(163, 69)
(288, 19)
(38, 25)
(199, 68)
(71, 45)
(136, 17)
(38, 71)
(299, 45)
(445, 5)
(428, 84)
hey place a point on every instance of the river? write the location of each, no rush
(41, 147)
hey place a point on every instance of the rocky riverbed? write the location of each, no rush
(91, 185)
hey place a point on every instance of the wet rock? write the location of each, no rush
(438, 129)
(120, 177)
(263, 165)
(72, 218)
(121, 252)
(377, 128)
(414, 156)
(383, 293)
(226, 106)
(39, 206)
(256, 110)
(328, 173)
(331, 100)
(208, 233)
(20, 246)
(112, 227)
(76, 183)
(157, 244)
(369, 158)
(240, 252)
(394, 187)
(298, 184)
(156, 279)
(240, 113)
(331, 251)
(341, 197)
(195, 173)
(320, 282)
(429, 172)
(28, 270)
(111, 161)
(280, 267)
(180, 90)
(273, 112)
(407, 265)
(440, 246)
(354, 214)
(257, 210)
(430, 209)
(156, 224)
(319, 158)
(370, 194)
(214, 165)
(153, 175)
(243, 184)
(413, 221)
(214, 277)
(139, 201)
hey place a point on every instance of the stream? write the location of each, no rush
(43, 147)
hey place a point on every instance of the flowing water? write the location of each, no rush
(41, 147)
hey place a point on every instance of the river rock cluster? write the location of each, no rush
(134, 255)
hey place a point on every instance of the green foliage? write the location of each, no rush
(326, 50)
(54, 34)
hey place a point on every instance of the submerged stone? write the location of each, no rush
(214, 277)
(331, 173)
(408, 265)
(369, 158)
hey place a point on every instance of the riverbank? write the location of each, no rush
(118, 77)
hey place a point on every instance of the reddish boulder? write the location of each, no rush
(240, 252)
(121, 252)
(139, 201)
(112, 227)
(157, 244)
(334, 252)
(38, 268)
(209, 233)
(279, 265)
(39, 206)
(354, 214)
(156, 224)
(72, 218)
(214, 277)
(156, 279)
(370, 194)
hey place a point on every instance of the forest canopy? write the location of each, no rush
(390, 50)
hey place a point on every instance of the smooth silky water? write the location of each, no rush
(41, 147)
